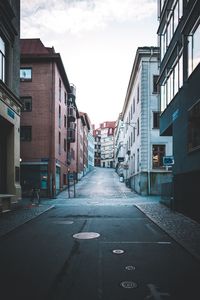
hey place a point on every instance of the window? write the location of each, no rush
(194, 127)
(133, 105)
(26, 74)
(59, 117)
(158, 152)
(172, 83)
(65, 98)
(65, 145)
(138, 160)
(155, 85)
(194, 48)
(65, 121)
(27, 103)
(138, 94)
(156, 120)
(2, 60)
(59, 143)
(138, 126)
(26, 133)
(59, 89)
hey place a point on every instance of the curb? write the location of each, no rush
(26, 221)
(171, 234)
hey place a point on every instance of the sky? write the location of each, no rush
(97, 41)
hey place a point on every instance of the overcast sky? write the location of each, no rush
(97, 40)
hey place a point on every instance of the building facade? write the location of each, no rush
(179, 41)
(48, 119)
(107, 144)
(97, 147)
(144, 149)
(10, 105)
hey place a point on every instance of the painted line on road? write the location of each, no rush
(137, 242)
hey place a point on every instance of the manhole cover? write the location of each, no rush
(86, 235)
(118, 251)
(128, 284)
(130, 268)
(64, 222)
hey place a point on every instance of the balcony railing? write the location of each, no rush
(71, 113)
(71, 135)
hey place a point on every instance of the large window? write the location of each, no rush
(27, 103)
(26, 74)
(172, 19)
(194, 48)
(194, 127)
(2, 60)
(158, 152)
(25, 133)
(172, 83)
(155, 85)
(156, 120)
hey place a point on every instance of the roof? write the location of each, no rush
(34, 50)
(34, 46)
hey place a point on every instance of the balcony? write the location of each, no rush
(71, 113)
(71, 135)
(71, 130)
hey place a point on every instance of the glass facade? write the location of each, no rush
(173, 17)
(194, 48)
(2, 60)
(172, 83)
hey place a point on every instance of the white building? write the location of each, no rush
(144, 148)
(90, 151)
(107, 144)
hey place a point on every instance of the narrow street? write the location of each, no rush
(98, 245)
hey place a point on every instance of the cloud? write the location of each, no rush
(78, 16)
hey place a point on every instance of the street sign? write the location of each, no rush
(168, 160)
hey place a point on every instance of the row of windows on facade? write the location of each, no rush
(173, 18)
(26, 136)
(158, 153)
(27, 107)
(132, 137)
(173, 80)
(133, 104)
(26, 75)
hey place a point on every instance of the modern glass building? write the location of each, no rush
(179, 41)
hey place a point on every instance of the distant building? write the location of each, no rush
(144, 148)
(48, 119)
(97, 147)
(107, 144)
(10, 105)
(83, 128)
(119, 146)
(179, 41)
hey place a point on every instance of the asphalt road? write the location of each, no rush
(119, 254)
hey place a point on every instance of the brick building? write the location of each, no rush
(48, 118)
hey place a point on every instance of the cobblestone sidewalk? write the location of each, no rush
(181, 228)
(21, 215)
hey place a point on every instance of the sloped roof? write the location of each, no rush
(34, 46)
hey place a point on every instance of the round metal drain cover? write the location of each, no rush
(86, 235)
(64, 222)
(128, 284)
(130, 268)
(118, 251)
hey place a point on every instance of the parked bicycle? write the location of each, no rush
(35, 195)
